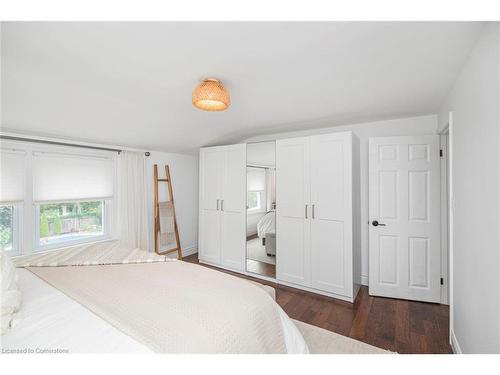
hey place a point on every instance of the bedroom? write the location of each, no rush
(324, 205)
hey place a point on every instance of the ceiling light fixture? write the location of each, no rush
(211, 95)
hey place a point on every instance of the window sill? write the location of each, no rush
(63, 245)
(12, 253)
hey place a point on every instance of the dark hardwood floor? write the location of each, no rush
(261, 268)
(397, 325)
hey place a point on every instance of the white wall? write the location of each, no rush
(184, 174)
(475, 140)
(407, 126)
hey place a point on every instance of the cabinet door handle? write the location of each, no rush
(306, 211)
(222, 205)
(217, 204)
(313, 211)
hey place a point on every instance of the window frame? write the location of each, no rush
(106, 227)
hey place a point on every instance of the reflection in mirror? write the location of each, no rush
(261, 205)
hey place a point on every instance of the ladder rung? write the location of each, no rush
(168, 251)
(163, 179)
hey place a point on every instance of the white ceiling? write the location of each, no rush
(130, 84)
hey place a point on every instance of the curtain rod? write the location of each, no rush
(22, 139)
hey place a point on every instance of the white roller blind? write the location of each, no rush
(60, 177)
(12, 164)
(256, 179)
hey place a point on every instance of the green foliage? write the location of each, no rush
(5, 237)
(5, 226)
(5, 216)
(93, 209)
(55, 213)
(56, 229)
(44, 226)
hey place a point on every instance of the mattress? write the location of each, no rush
(51, 321)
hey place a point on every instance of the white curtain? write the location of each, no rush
(270, 189)
(133, 201)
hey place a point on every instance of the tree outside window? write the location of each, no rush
(6, 227)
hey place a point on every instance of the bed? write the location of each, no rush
(266, 230)
(158, 306)
(267, 224)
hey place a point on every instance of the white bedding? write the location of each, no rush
(49, 319)
(267, 224)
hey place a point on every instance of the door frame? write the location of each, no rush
(450, 206)
(444, 166)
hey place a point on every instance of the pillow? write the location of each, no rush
(11, 295)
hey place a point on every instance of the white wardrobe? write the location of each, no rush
(222, 204)
(317, 212)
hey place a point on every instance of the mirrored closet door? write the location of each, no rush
(261, 205)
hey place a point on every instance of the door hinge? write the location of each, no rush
(441, 153)
(442, 281)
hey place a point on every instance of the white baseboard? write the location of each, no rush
(455, 346)
(190, 250)
(364, 280)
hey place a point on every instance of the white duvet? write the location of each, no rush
(267, 224)
(49, 320)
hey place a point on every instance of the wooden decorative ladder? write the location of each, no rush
(168, 180)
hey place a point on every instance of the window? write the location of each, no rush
(70, 222)
(12, 173)
(8, 228)
(71, 193)
(256, 186)
(254, 200)
(52, 196)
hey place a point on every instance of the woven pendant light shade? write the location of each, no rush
(211, 95)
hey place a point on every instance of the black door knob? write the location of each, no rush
(375, 223)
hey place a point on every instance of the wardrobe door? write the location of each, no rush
(210, 177)
(293, 211)
(209, 224)
(233, 207)
(331, 216)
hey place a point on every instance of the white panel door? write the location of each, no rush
(209, 246)
(331, 213)
(233, 207)
(293, 211)
(210, 177)
(404, 188)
